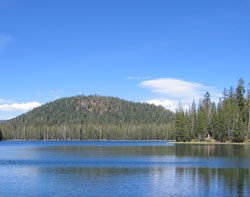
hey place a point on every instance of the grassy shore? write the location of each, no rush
(213, 142)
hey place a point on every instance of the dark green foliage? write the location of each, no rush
(219, 125)
(180, 125)
(240, 95)
(94, 109)
(96, 117)
(193, 120)
(238, 136)
(92, 117)
(229, 121)
(183, 126)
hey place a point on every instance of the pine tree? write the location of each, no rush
(207, 111)
(201, 121)
(222, 123)
(180, 125)
(231, 109)
(238, 133)
(240, 91)
(194, 120)
(214, 120)
(188, 126)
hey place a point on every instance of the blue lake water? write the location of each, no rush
(123, 168)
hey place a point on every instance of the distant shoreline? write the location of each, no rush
(172, 141)
(213, 143)
(168, 141)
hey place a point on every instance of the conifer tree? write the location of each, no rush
(193, 120)
(180, 124)
(231, 109)
(201, 121)
(207, 111)
(221, 132)
(240, 91)
(238, 133)
(214, 120)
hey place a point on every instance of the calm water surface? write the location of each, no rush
(131, 168)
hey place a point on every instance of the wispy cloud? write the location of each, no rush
(169, 92)
(5, 40)
(137, 78)
(23, 107)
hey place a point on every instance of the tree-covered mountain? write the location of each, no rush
(91, 117)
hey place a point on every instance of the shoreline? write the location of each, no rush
(171, 141)
(167, 141)
(213, 143)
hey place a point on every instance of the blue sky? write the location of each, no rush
(158, 51)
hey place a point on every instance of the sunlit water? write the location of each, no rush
(132, 168)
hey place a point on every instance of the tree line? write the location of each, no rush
(228, 120)
(108, 118)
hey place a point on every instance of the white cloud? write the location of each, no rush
(172, 91)
(24, 107)
(4, 40)
(167, 103)
(176, 88)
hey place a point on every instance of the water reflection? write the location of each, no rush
(56, 169)
(216, 182)
(239, 151)
(154, 181)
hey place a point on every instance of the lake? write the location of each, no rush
(123, 168)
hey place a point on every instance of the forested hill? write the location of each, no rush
(91, 117)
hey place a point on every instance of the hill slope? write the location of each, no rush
(91, 117)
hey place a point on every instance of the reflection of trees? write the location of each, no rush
(204, 181)
(212, 151)
(104, 172)
(230, 182)
(93, 151)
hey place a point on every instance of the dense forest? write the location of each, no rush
(89, 118)
(228, 120)
(109, 118)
